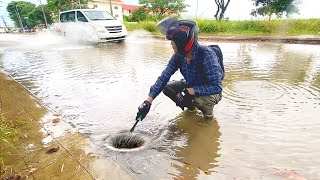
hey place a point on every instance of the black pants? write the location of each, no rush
(173, 88)
(204, 103)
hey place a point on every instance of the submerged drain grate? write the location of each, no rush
(126, 141)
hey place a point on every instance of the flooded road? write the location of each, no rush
(265, 127)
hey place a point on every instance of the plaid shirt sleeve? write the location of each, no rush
(213, 72)
(163, 79)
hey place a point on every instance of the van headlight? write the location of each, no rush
(101, 29)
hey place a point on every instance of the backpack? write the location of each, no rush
(200, 67)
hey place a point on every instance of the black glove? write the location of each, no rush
(184, 99)
(143, 110)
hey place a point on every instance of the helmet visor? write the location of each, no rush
(167, 24)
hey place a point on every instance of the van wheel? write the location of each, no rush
(121, 41)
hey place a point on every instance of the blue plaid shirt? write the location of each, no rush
(212, 71)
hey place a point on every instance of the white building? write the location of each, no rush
(116, 6)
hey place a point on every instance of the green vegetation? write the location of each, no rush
(143, 15)
(9, 131)
(272, 7)
(162, 7)
(149, 26)
(272, 27)
(30, 14)
(56, 6)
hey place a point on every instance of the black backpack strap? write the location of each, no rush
(218, 52)
(200, 67)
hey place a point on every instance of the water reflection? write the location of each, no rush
(198, 156)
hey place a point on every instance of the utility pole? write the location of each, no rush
(19, 19)
(44, 15)
(111, 7)
(5, 24)
(197, 10)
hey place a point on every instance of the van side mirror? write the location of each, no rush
(82, 19)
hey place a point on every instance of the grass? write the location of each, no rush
(248, 27)
(9, 131)
(149, 26)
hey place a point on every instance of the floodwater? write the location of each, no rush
(265, 127)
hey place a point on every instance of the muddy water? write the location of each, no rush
(266, 126)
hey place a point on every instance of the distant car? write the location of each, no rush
(91, 24)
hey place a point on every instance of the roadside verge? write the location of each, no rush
(49, 148)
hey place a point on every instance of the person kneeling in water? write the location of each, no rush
(201, 67)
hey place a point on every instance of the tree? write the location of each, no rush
(30, 14)
(160, 7)
(275, 7)
(221, 9)
(35, 17)
(22, 8)
(57, 6)
(139, 14)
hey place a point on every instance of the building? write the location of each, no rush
(116, 6)
(128, 9)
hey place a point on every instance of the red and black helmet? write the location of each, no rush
(184, 33)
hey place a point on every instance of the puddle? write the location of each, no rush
(267, 118)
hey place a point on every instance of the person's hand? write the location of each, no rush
(143, 110)
(183, 99)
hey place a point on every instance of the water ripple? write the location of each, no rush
(268, 117)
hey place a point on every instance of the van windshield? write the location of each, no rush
(98, 15)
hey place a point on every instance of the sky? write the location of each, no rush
(237, 9)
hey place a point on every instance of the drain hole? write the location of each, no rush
(127, 141)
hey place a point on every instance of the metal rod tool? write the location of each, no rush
(131, 130)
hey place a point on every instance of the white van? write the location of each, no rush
(92, 25)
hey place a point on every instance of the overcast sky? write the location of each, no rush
(237, 9)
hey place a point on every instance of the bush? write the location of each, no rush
(139, 14)
(149, 26)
